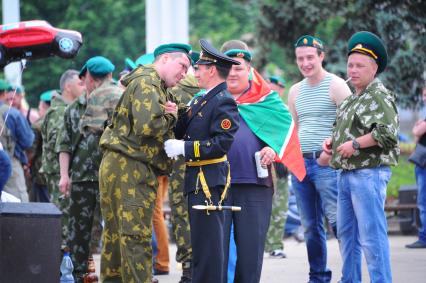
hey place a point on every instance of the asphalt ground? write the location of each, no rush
(408, 265)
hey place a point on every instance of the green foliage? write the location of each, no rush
(401, 24)
(220, 20)
(402, 174)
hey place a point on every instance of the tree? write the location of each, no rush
(401, 24)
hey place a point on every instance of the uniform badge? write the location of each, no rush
(225, 124)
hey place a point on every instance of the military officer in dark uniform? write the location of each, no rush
(207, 128)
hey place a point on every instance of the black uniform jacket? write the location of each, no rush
(208, 127)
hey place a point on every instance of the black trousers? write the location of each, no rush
(207, 239)
(250, 227)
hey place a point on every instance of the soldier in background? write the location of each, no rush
(21, 137)
(133, 159)
(80, 157)
(71, 88)
(274, 238)
(39, 191)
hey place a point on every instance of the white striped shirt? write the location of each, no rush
(316, 113)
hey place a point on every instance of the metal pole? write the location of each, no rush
(166, 21)
(11, 14)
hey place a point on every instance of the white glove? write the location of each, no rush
(174, 148)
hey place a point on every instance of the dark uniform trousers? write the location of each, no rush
(208, 241)
(250, 228)
(208, 128)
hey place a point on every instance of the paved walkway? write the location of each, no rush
(408, 266)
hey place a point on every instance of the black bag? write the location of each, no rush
(418, 156)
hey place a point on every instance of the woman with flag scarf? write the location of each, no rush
(266, 126)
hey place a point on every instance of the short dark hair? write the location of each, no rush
(223, 71)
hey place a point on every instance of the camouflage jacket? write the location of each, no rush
(36, 152)
(140, 125)
(100, 106)
(84, 151)
(186, 89)
(53, 122)
(372, 111)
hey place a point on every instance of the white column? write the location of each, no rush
(11, 14)
(166, 22)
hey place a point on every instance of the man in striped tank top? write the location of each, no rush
(313, 102)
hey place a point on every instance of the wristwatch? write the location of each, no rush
(355, 144)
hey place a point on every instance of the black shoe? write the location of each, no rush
(160, 272)
(279, 253)
(154, 280)
(185, 279)
(416, 245)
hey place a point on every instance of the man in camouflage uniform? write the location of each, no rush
(184, 91)
(39, 191)
(274, 238)
(71, 87)
(364, 145)
(80, 155)
(133, 159)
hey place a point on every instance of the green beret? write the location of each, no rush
(145, 59)
(195, 56)
(369, 44)
(4, 85)
(98, 66)
(19, 89)
(240, 53)
(172, 47)
(47, 95)
(129, 64)
(309, 40)
(277, 80)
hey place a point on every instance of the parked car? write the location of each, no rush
(36, 39)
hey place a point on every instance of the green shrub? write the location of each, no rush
(402, 174)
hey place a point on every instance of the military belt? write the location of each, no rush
(202, 179)
(206, 162)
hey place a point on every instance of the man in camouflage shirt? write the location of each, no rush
(71, 87)
(364, 144)
(39, 191)
(80, 155)
(133, 159)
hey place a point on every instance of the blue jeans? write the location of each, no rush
(421, 201)
(316, 197)
(361, 223)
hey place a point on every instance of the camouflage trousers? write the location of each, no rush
(179, 212)
(128, 192)
(62, 203)
(82, 226)
(274, 237)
